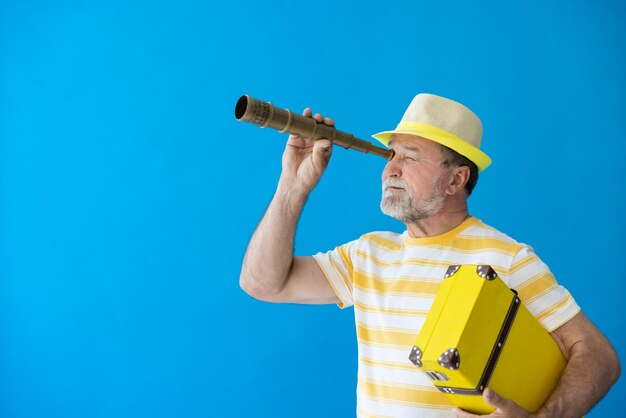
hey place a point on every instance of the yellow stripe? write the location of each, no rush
(554, 308)
(409, 404)
(345, 257)
(390, 311)
(338, 269)
(469, 250)
(366, 289)
(404, 394)
(386, 328)
(382, 242)
(337, 293)
(522, 263)
(421, 262)
(367, 414)
(364, 274)
(404, 339)
(382, 345)
(341, 303)
(536, 285)
(470, 245)
(402, 284)
(485, 243)
(410, 261)
(390, 364)
(541, 294)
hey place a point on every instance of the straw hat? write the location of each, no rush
(444, 121)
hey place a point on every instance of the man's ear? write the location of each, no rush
(459, 176)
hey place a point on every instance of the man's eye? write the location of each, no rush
(410, 158)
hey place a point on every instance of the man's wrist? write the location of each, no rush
(292, 188)
(545, 413)
(291, 196)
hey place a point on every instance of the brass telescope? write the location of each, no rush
(265, 114)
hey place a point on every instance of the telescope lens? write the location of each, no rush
(242, 105)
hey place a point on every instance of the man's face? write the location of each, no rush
(414, 180)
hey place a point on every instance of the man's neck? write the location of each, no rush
(437, 224)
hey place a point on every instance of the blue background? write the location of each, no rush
(129, 191)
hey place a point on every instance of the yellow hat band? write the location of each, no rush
(440, 136)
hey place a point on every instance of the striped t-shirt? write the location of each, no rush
(391, 279)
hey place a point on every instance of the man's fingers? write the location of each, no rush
(307, 112)
(463, 414)
(495, 400)
(319, 118)
(502, 404)
(504, 407)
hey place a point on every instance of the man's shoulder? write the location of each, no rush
(384, 240)
(481, 235)
(476, 229)
(479, 229)
(383, 234)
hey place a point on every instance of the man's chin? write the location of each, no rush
(393, 212)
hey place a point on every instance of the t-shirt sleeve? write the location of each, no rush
(337, 267)
(536, 286)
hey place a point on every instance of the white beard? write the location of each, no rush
(400, 205)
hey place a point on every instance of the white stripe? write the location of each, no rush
(399, 302)
(527, 273)
(558, 318)
(343, 293)
(338, 263)
(414, 378)
(378, 407)
(407, 271)
(410, 257)
(396, 355)
(402, 322)
(479, 231)
(551, 298)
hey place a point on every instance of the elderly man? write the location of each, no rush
(391, 279)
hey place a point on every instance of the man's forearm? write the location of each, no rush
(269, 254)
(591, 370)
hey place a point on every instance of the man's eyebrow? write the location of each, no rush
(404, 147)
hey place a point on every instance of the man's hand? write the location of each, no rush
(505, 408)
(305, 160)
(269, 271)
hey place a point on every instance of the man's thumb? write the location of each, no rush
(493, 399)
(321, 152)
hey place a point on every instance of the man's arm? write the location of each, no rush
(592, 368)
(270, 272)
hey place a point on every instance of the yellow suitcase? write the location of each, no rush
(478, 334)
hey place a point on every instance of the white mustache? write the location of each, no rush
(395, 182)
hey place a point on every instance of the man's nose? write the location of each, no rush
(392, 169)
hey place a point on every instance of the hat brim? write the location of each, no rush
(475, 155)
